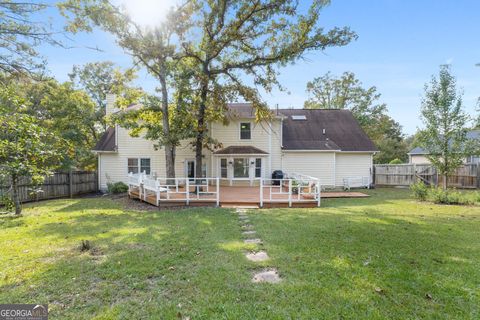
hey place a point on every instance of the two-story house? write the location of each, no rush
(325, 144)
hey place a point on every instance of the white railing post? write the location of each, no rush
(261, 192)
(319, 190)
(187, 186)
(289, 193)
(218, 191)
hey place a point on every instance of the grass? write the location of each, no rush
(382, 257)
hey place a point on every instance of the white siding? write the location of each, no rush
(113, 166)
(261, 138)
(316, 164)
(352, 165)
(418, 159)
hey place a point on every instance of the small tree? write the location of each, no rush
(445, 135)
(27, 149)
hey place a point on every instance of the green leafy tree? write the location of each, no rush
(101, 78)
(20, 35)
(64, 111)
(27, 149)
(154, 49)
(237, 43)
(444, 137)
(347, 92)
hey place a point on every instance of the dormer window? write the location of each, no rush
(245, 131)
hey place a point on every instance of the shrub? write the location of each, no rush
(420, 191)
(396, 161)
(439, 196)
(117, 187)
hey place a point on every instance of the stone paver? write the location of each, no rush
(241, 210)
(247, 227)
(248, 232)
(257, 256)
(254, 241)
(243, 217)
(267, 276)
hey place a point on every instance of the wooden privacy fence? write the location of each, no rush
(467, 176)
(59, 185)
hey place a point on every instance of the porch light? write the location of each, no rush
(252, 162)
(230, 162)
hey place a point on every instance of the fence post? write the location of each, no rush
(414, 173)
(478, 175)
(70, 183)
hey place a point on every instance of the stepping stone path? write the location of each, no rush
(269, 275)
(257, 256)
(254, 241)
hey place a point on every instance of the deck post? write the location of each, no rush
(261, 192)
(319, 193)
(289, 193)
(187, 191)
(218, 192)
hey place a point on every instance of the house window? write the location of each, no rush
(132, 165)
(136, 165)
(145, 165)
(223, 168)
(258, 168)
(240, 168)
(245, 131)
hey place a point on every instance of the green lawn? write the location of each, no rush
(382, 257)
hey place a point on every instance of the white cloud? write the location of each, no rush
(147, 12)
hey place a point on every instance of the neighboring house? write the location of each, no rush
(326, 144)
(419, 156)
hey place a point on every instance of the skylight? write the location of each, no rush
(299, 117)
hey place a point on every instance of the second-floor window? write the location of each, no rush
(245, 131)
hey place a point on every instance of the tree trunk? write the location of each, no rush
(200, 131)
(16, 198)
(169, 147)
(445, 181)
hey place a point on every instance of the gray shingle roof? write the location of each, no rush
(240, 150)
(324, 130)
(106, 142)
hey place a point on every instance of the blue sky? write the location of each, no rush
(400, 46)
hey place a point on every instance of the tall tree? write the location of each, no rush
(347, 92)
(27, 149)
(238, 41)
(152, 48)
(64, 111)
(101, 78)
(20, 36)
(444, 137)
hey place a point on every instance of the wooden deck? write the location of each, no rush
(243, 196)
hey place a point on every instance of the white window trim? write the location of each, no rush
(139, 163)
(240, 130)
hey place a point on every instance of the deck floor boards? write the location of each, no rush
(244, 196)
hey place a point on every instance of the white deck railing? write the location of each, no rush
(307, 189)
(188, 190)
